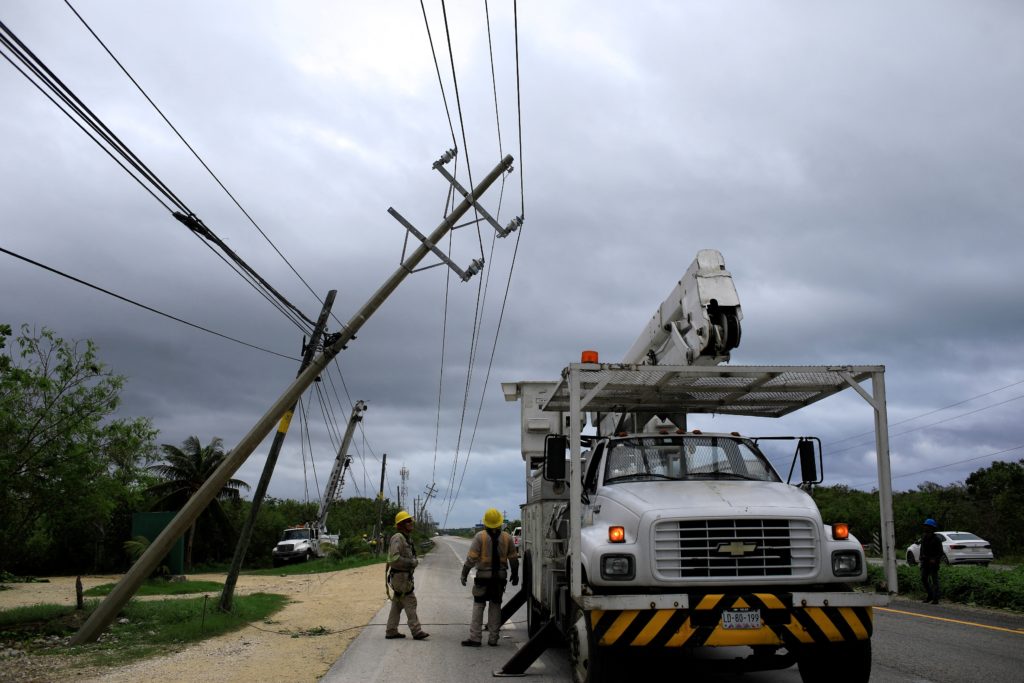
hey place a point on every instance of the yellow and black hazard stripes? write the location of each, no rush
(701, 625)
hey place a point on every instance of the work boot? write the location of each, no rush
(493, 642)
(470, 643)
(392, 636)
(422, 635)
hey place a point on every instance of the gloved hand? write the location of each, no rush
(465, 575)
(515, 579)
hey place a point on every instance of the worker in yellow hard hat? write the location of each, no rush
(401, 565)
(494, 555)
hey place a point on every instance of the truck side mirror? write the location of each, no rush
(555, 446)
(809, 460)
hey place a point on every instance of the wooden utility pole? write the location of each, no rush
(144, 566)
(380, 501)
(228, 593)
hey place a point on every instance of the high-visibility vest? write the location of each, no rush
(506, 550)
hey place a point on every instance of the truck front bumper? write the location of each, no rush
(786, 619)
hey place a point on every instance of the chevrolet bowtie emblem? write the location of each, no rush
(737, 548)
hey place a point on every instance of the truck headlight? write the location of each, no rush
(846, 563)
(617, 567)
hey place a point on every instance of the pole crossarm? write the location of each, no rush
(107, 610)
(472, 269)
(512, 226)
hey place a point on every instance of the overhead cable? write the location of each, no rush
(143, 306)
(932, 412)
(462, 122)
(948, 419)
(190, 148)
(74, 107)
(948, 464)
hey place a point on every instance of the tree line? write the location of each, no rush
(72, 474)
(989, 503)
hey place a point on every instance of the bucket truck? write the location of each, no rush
(656, 541)
(302, 542)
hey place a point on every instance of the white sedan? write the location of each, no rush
(958, 547)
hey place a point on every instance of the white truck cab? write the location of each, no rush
(672, 511)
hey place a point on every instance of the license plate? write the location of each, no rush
(741, 618)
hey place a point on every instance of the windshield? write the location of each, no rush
(295, 534)
(685, 457)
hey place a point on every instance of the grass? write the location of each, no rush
(143, 628)
(968, 585)
(161, 587)
(323, 564)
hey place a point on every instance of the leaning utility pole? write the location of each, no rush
(144, 566)
(228, 593)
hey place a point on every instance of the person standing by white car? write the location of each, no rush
(931, 556)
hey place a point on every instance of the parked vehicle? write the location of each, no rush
(958, 547)
(517, 534)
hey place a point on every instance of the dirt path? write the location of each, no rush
(339, 602)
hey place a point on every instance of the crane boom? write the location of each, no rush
(337, 478)
(698, 323)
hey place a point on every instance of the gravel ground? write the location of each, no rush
(340, 603)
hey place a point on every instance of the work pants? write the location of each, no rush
(398, 603)
(493, 621)
(930, 579)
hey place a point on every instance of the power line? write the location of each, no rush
(111, 144)
(190, 148)
(462, 121)
(143, 306)
(937, 410)
(949, 464)
(519, 113)
(437, 68)
(948, 419)
(494, 80)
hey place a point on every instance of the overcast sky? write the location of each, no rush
(859, 166)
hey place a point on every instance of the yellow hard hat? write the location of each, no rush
(493, 519)
(401, 517)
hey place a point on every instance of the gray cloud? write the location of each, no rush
(859, 168)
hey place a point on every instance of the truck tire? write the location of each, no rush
(910, 559)
(308, 556)
(590, 663)
(821, 662)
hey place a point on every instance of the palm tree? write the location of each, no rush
(183, 471)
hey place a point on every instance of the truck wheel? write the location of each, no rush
(910, 559)
(308, 556)
(818, 662)
(590, 663)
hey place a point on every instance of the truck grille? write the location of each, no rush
(705, 548)
(286, 547)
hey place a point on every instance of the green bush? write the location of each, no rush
(969, 585)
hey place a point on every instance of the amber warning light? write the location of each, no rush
(588, 357)
(616, 534)
(840, 531)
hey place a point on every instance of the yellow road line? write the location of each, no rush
(1019, 632)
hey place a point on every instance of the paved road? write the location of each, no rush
(913, 643)
(444, 610)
